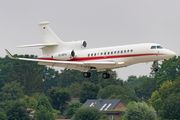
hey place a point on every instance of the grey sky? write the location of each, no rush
(100, 22)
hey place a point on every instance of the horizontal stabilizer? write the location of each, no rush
(39, 45)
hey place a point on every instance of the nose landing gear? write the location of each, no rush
(155, 66)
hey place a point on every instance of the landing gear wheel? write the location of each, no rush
(106, 75)
(87, 74)
(155, 66)
(155, 69)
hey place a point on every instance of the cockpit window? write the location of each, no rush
(159, 47)
(153, 47)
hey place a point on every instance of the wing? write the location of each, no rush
(82, 66)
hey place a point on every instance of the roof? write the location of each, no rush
(103, 104)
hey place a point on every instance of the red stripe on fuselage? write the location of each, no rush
(104, 57)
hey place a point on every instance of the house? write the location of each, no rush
(112, 107)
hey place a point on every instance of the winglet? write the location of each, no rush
(9, 54)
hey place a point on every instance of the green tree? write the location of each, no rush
(52, 77)
(171, 107)
(30, 102)
(72, 108)
(89, 113)
(43, 101)
(137, 82)
(3, 116)
(113, 80)
(165, 90)
(75, 89)
(89, 91)
(139, 111)
(146, 89)
(12, 91)
(17, 111)
(118, 92)
(43, 113)
(169, 70)
(59, 98)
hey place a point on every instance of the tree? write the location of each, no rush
(75, 89)
(171, 107)
(52, 77)
(89, 91)
(3, 116)
(146, 89)
(113, 80)
(118, 92)
(17, 111)
(42, 113)
(59, 98)
(44, 110)
(139, 111)
(30, 102)
(12, 91)
(72, 108)
(169, 70)
(89, 113)
(43, 101)
(29, 74)
(133, 83)
(165, 90)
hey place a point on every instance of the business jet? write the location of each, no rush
(73, 55)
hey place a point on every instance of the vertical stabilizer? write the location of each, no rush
(47, 34)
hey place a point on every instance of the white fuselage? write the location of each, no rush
(122, 55)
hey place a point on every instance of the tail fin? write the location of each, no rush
(49, 37)
(47, 34)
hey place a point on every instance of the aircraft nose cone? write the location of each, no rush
(172, 54)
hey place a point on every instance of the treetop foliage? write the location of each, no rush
(139, 111)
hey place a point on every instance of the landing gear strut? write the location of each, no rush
(155, 66)
(87, 74)
(106, 75)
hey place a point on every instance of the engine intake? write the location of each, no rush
(66, 55)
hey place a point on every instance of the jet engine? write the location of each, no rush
(67, 55)
(76, 45)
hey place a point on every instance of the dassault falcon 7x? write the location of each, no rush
(73, 55)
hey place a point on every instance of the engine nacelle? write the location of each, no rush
(76, 45)
(66, 55)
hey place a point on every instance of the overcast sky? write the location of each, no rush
(100, 22)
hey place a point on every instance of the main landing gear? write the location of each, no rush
(155, 66)
(106, 75)
(87, 74)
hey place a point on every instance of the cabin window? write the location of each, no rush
(127, 50)
(88, 55)
(121, 51)
(101, 53)
(114, 52)
(153, 47)
(159, 47)
(108, 53)
(91, 54)
(118, 52)
(131, 50)
(94, 54)
(124, 51)
(111, 52)
(104, 53)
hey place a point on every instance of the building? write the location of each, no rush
(112, 107)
